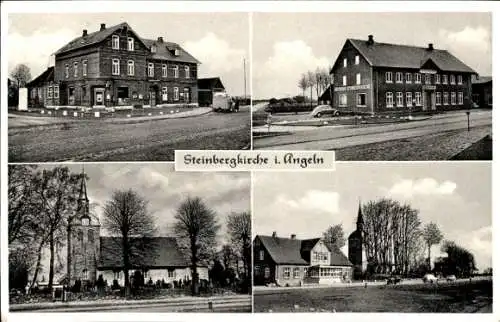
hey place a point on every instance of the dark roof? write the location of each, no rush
(210, 83)
(403, 56)
(337, 258)
(326, 96)
(151, 252)
(45, 77)
(482, 79)
(165, 51)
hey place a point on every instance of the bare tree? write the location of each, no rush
(21, 74)
(196, 227)
(432, 235)
(334, 235)
(311, 81)
(303, 84)
(126, 216)
(239, 229)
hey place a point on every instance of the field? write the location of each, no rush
(459, 297)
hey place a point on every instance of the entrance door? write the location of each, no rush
(152, 98)
(429, 101)
(99, 96)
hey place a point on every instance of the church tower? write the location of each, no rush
(355, 245)
(84, 243)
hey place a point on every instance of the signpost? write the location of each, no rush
(468, 120)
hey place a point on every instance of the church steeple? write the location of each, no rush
(360, 221)
(83, 200)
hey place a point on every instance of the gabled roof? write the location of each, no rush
(337, 258)
(210, 83)
(165, 51)
(326, 96)
(45, 77)
(482, 79)
(150, 252)
(402, 56)
(94, 38)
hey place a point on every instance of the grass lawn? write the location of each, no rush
(451, 298)
(440, 146)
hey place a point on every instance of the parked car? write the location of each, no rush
(222, 102)
(394, 280)
(324, 110)
(430, 278)
(451, 278)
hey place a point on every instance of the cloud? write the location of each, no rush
(281, 71)
(324, 201)
(427, 186)
(476, 38)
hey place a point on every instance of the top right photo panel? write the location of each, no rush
(374, 86)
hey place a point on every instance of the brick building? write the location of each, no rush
(290, 261)
(372, 77)
(43, 91)
(114, 66)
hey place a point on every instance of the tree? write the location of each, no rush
(334, 235)
(459, 261)
(196, 227)
(432, 236)
(303, 84)
(21, 74)
(126, 216)
(311, 81)
(239, 229)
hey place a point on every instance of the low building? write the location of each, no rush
(372, 77)
(43, 90)
(290, 261)
(482, 91)
(206, 89)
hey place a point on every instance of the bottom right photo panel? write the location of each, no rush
(374, 237)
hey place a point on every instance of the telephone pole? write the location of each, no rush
(245, 77)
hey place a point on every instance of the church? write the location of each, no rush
(91, 255)
(356, 252)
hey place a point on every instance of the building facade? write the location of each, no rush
(482, 91)
(290, 261)
(43, 91)
(115, 67)
(371, 77)
(206, 89)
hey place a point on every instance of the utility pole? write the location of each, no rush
(245, 77)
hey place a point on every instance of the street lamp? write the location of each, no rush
(468, 120)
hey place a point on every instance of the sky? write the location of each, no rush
(206, 36)
(456, 196)
(285, 45)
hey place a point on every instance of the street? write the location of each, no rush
(144, 140)
(330, 138)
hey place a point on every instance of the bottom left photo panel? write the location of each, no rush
(124, 237)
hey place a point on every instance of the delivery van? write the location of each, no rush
(222, 102)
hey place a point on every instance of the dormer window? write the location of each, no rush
(153, 49)
(115, 42)
(130, 44)
(85, 221)
(176, 52)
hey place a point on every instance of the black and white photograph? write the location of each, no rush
(126, 87)
(383, 237)
(128, 238)
(374, 86)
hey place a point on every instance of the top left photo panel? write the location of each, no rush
(126, 86)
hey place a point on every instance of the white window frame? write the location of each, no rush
(438, 99)
(399, 77)
(438, 79)
(296, 272)
(153, 49)
(418, 78)
(428, 80)
(445, 79)
(343, 100)
(75, 69)
(357, 99)
(453, 98)
(176, 93)
(130, 44)
(84, 67)
(446, 98)
(345, 62)
(115, 66)
(409, 99)
(286, 272)
(261, 255)
(49, 92)
(389, 99)
(460, 98)
(115, 42)
(356, 60)
(459, 80)
(358, 79)
(176, 71)
(388, 77)
(130, 68)
(418, 98)
(408, 78)
(399, 99)
(66, 71)
(164, 70)
(151, 70)
(56, 91)
(164, 94)
(186, 71)
(452, 79)
(344, 80)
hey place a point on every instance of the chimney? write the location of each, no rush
(292, 236)
(84, 34)
(103, 26)
(160, 39)
(274, 234)
(370, 40)
(431, 47)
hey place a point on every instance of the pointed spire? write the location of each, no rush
(83, 200)
(360, 214)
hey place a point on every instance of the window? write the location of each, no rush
(445, 79)
(261, 255)
(296, 272)
(409, 99)
(84, 68)
(445, 98)
(115, 42)
(408, 78)
(438, 98)
(388, 77)
(459, 79)
(66, 71)
(418, 98)
(389, 99)
(361, 99)
(153, 49)
(305, 271)
(176, 93)
(460, 98)
(151, 70)
(344, 80)
(186, 94)
(90, 236)
(130, 68)
(122, 92)
(75, 69)
(418, 78)
(356, 60)
(171, 273)
(399, 99)
(427, 79)
(438, 79)
(343, 99)
(186, 71)
(452, 79)
(453, 98)
(49, 92)
(345, 62)
(267, 272)
(130, 43)
(286, 272)
(115, 67)
(358, 79)
(399, 77)
(164, 70)
(176, 71)
(56, 91)
(164, 94)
